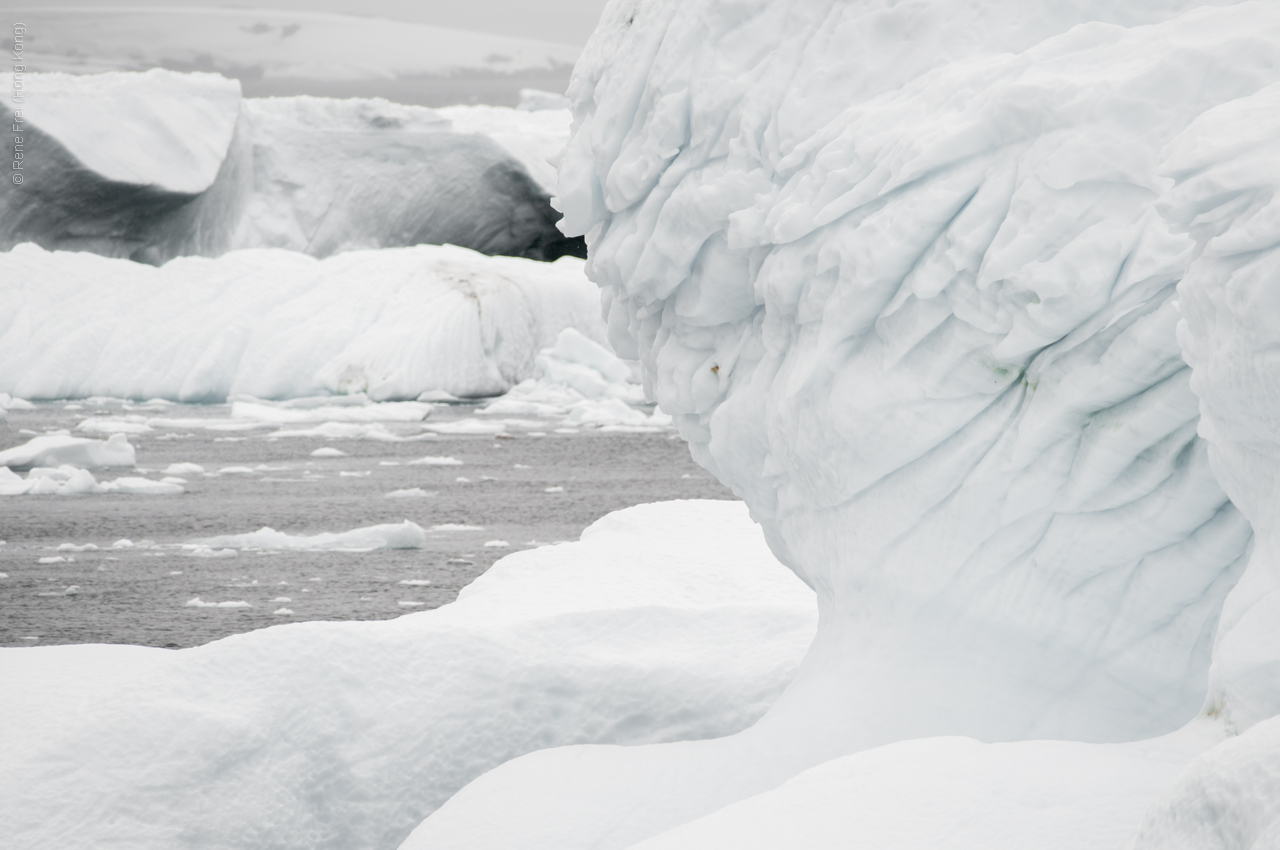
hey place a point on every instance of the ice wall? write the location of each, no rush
(899, 273)
(161, 164)
(278, 324)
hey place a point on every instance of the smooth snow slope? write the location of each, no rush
(162, 164)
(394, 323)
(899, 274)
(344, 735)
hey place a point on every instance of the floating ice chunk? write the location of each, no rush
(183, 469)
(407, 603)
(74, 451)
(588, 368)
(199, 603)
(122, 543)
(106, 425)
(282, 599)
(208, 552)
(553, 489)
(388, 411)
(454, 526)
(404, 535)
(605, 411)
(410, 493)
(328, 452)
(82, 482)
(466, 426)
(8, 402)
(414, 582)
(282, 611)
(132, 486)
(430, 460)
(344, 431)
(496, 544)
(51, 559)
(4, 575)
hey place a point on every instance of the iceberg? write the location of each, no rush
(348, 734)
(275, 324)
(162, 164)
(908, 280)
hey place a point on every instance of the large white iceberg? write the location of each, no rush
(279, 324)
(161, 164)
(347, 734)
(901, 276)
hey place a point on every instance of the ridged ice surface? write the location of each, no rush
(907, 278)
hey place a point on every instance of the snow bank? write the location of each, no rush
(347, 734)
(162, 164)
(59, 450)
(901, 278)
(404, 535)
(276, 324)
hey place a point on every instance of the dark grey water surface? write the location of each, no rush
(137, 595)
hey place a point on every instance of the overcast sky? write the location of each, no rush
(564, 21)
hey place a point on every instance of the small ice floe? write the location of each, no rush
(454, 526)
(71, 547)
(200, 603)
(122, 543)
(431, 460)
(388, 463)
(553, 489)
(173, 479)
(375, 431)
(237, 470)
(466, 426)
(183, 469)
(353, 474)
(404, 535)
(282, 599)
(283, 612)
(72, 590)
(411, 493)
(496, 544)
(440, 396)
(175, 572)
(68, 480)
(59, 449)
(8, 402)
(460, 562)
(4, 575)
(51, 559)
(462, 480)
(115, 425)
(414, 582)
(408, 603)
(210, 552)
(357, 407)
(328, 452)
(521, 466)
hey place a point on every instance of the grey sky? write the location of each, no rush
(564, 21)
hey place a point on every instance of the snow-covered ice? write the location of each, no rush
(348, 734)
(276, 324)
(404, 535)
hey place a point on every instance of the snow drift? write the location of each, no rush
(339, 735)
(161, 164)
(901, 276)
(278, 324)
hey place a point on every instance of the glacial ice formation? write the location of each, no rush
(341, 735)
(393, 323)
(54, 450)
(906, 276)
(161, 164)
